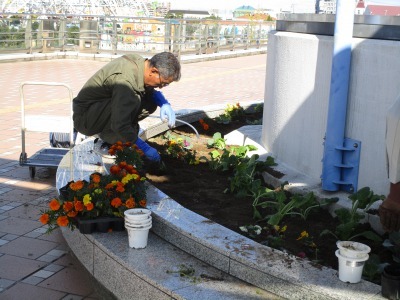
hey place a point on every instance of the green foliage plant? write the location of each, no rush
(311, 203)
(217, 141)
(180, 147)
(349, 226)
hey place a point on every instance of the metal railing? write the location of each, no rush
(105, 34)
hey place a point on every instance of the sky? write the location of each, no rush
(275, 4)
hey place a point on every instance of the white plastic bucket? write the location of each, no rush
(137, 224)
(138, 237)
(353, 249)
(135, 214)
(350, 269)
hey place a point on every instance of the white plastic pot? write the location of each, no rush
(138, 237)
(350, 269)
(136, 214)
(138, 224)
(353, 249)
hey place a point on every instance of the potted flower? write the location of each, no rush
(99, 204)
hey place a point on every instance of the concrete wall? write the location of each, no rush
(297, 95)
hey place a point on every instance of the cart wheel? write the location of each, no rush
(32, 171)
(22, 158)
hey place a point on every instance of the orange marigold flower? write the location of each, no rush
(116, 202)
(122, 164)
(54, 204)
(115, 169)
(130, 203)
(68, 206)
(129, 168)
(76, 186)
(111, 151)
(143, 203)
(140, 152)
(119, 143)
(78, 206)
(44, 219)
(109, 186)
(89, 206)
(128, 144)
(120, 187)
(72, 214)
(62, 221)
(96, 178)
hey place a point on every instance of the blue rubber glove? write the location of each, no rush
(166, 111)
(148, 151)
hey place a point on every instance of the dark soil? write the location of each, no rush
(201, 190)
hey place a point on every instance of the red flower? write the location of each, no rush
(44, 219)
(116, 202)
(78, 206)
(89, 206)
(76, 186)
(54, 204)
(96, 178)
(115, 169)
(62, 221)
(130, 203)
(68, 206)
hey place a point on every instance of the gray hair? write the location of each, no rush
(167, 64)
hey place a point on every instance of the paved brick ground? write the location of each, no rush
(34, 265)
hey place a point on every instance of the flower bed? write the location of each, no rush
(199, 185)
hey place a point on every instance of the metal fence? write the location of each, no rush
(102, 34)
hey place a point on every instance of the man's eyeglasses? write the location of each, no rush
(162, 84)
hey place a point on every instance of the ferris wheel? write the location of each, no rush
(77, 7)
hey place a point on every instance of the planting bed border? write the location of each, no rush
(239, 257)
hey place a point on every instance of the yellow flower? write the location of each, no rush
(303, 234)
(87, 199)
(128, 178)
(98, 191)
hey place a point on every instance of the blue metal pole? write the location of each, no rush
(337, 108)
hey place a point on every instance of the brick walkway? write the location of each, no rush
(34, 265)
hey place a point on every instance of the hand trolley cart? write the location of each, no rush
(46, 157)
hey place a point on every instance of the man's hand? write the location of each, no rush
(389, 214)
(149, 152)
(166, 112)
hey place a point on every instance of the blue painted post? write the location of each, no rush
(337, 108)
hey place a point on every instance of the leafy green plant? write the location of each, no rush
(228, 159)
(348, 229)
(243, 182)
(231, 112)
(311, 203)
(223, 119)
(180, 147)
(217, 141)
